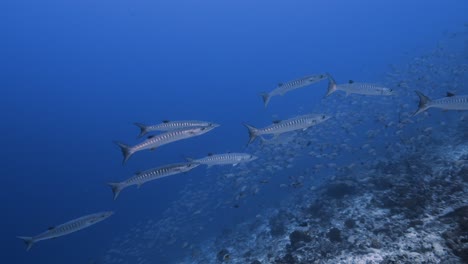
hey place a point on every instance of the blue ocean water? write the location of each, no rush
(75, 75)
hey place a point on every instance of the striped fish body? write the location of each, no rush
(150, 175)
(169, 137)
(171, 125)
(67, 228)
(299, 122)
(459, 102)
(158, 173)
(296, 123)
(452, 102)
(162, 139)
(283, 88)
(364, 89)
(225, 159)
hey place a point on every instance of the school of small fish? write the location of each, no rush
(290, 138)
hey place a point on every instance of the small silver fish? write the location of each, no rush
(225, 159)
(300, 122)
(451, 102)
(149, 175)
(162, 139)
(167, 125)
(358, 88)
(67, 228)
(283, 88)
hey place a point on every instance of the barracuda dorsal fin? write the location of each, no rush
(210, 154)
(51, 228)
(152, 136)
(138, 173)
(166, 121)
(276, 121)
(449, 94)
(280, 84)
(350, 81)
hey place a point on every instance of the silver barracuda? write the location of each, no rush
(162, 139)
(451, 102)
(225, 159)
(358, 88)
(150, 175)
(300, 122)
(283, 88)
(167, 125)
(67, 228)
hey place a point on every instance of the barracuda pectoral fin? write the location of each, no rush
(139, 185)
(235, 164)
(304, 129)
(209, 166)
(152, 149)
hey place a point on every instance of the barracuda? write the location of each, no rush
(167, 125)
(300, 122)
(283, 88)
(150, 175)
(358, 88)
(451, 102)
(162, 139)
(225, 159)
(67, 228)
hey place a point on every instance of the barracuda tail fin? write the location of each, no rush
(423, 103)
(143, 129)
(126, 151)
(117, 187)
(331, 85)
(29, 241)
(266, 98)
(252, 133)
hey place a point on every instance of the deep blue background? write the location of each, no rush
(75, 75)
